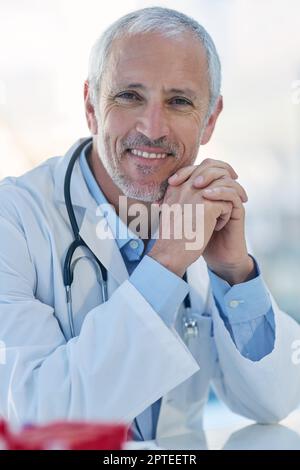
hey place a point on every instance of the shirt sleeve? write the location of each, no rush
(162, 289)
(247, 313)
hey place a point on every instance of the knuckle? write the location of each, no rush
(216, 172)
(227, 179)
(208, 161)
(231, 190)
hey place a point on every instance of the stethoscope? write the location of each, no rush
(189, 322)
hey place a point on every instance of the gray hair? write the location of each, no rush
(169, 23)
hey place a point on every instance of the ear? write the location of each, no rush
(212, 121)
(89, 110)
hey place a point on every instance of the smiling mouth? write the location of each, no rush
(148, 155)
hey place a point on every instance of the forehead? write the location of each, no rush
(154, 60)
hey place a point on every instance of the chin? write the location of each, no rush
(151, 192)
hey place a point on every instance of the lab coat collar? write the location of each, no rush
(94, 228)
(79, 191)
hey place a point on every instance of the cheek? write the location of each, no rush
(115, 128)
(192, 126)
(117, 122)
(188, 134)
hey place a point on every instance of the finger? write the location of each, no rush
(226, 195)
(225, 216)
(184, 173)
(209, 175)
(210, 162)
(229, 183)
(221, 222)
(223, 194)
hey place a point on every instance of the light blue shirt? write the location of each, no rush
(245, 308)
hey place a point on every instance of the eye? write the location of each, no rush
(179, 101)
(128, 96)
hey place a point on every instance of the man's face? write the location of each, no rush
(153, 102)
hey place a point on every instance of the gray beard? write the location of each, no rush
(151, 192)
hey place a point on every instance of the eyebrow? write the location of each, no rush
(183, 91)
(180, 91)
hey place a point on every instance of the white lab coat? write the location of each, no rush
(124, 357)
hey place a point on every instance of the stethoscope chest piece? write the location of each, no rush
(190, 325)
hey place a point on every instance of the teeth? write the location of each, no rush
(139, 153)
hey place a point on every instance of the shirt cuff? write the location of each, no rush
(162, 289)
(242, 302)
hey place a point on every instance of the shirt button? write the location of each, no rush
(234, 303)
(133, 244)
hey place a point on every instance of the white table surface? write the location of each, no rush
(229, 431)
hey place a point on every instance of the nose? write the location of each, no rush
(153, 121)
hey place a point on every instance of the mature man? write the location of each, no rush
(147, 352)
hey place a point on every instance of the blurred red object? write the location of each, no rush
(64, 436)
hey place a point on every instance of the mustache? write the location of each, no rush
(141, 140)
